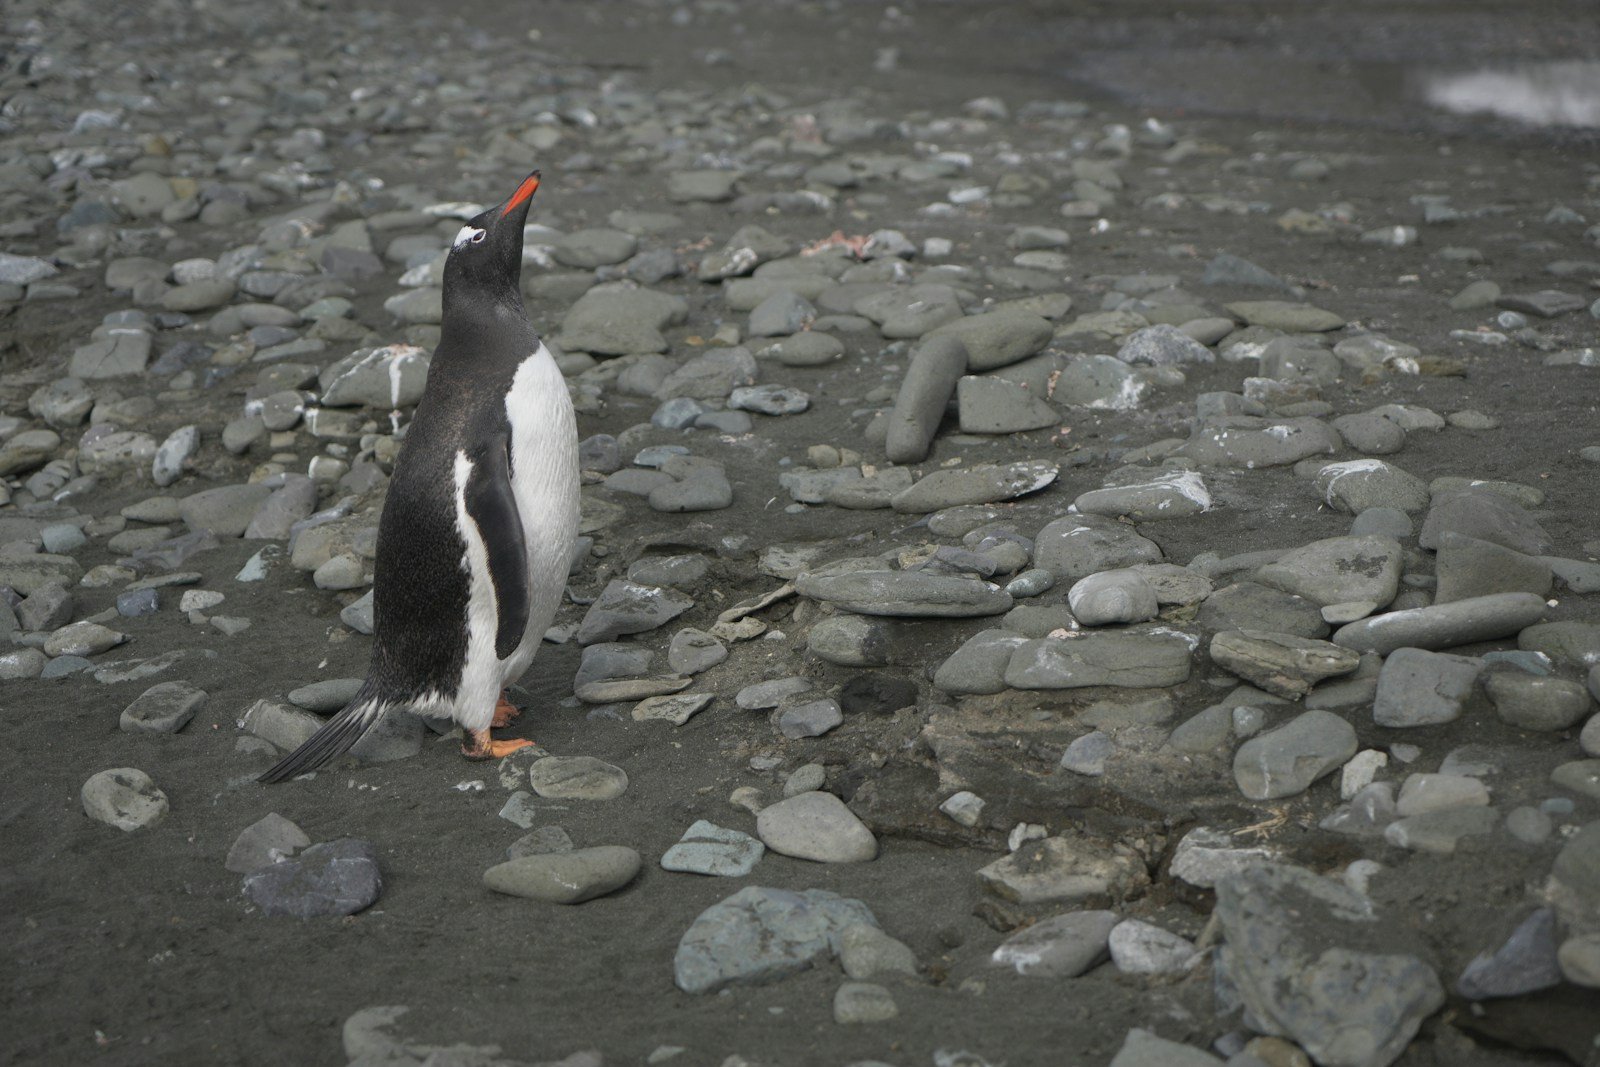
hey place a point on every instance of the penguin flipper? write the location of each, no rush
(493, 509)
(336, 737)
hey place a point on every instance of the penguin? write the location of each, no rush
(477, 531)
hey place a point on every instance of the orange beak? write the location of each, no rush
(529, 186)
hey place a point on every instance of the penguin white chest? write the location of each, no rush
(544, 480)
(544, 464)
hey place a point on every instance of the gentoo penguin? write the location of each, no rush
(477, 531)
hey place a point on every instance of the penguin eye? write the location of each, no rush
(477, 238)
(468, 235)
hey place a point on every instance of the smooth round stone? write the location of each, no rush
(565, 877)
(124, 797)
(805, 779)
(1547, 704)
(577, 778)
(323, 697)
(1589, 738)
(863, 1002)
(1579, 960)
(1116, 596)
(62, 666)
(1063, 946)
(62, 538)
(1580, 776)
(1529, 825)
(1382, 522)
(809, 349)
(22, 663)
(850, 641)
(1031, 583)
(816, 826)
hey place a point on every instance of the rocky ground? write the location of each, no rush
(1063, 580)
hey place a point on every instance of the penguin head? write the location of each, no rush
(487, 251)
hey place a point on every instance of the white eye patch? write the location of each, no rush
(467, 234)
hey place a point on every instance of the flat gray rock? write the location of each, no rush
(577, 778)
(1486, 516)
(1312, 963)
(382, 379)
(713, 850)
(1359, 485)
(1248, 605)
(266, 841)
(982, 484)
(1063, 946)
(565, 877)
(914, 594)
(761, 935)
(1103, 383)
(334, 878)
(1141, 1048)
(164, 708)
(711, 375)
(1467, 567)
(1531, 702)
(625, 607)
(619, 321)
(1461, 622)
(226, 511)
(997, 406)
(1170, 495)
(1162, 346)
(979, 665)
(1421, 688)
(1120, 659)
(1524, 963)
(1282, 664)
(1250, 442)
(998, 338)
(1338, 570)
(1075, 547)
(1070, 867)
(1286, 761)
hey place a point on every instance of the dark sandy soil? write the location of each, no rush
(139, 948)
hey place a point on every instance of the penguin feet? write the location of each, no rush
(478, 745)
(505, 712)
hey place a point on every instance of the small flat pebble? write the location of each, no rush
(565, 877)
(577, 778)
(708, 849)
(334, 878)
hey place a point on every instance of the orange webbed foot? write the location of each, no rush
(478, 745)
(505, 712)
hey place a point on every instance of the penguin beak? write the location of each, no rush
(524, 193)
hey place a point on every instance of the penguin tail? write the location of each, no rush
(336, 737)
